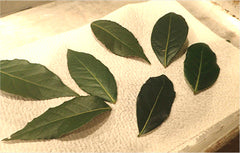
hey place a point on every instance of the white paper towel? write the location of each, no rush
(117, 131)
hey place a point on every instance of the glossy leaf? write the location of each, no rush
(117, 39)
(154, 103)
(31, 80)
(92, 76)
(60, 120)
(200, 67)
(168, 37)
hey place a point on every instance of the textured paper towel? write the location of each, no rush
(117, 131)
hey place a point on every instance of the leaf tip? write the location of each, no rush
(5, 139)
(69, 51)
(75, 94)
(148, 61)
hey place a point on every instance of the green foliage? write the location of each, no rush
(154, 103)
(200, 67)
(117, 39)
(31, 80)
(92, 76)
(168, 37)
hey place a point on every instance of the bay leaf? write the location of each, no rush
(154, 103)
(63, 119)
(31, 80)
(117, 39)
(200, 67)
(168, 37)
(92, 76)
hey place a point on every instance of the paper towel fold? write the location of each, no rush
(117, 131)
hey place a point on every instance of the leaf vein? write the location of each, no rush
(27, 81)
(114, 36)
(95, 79)
(63, 119)
(150, 114)
(199, 71)
(168, 37)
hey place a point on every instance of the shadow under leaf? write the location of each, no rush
(13, 96)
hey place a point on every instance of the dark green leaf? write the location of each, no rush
(92, 76)
(60, 120)
(154, 103)
(200, 67)
(117, 39)
(31, 80)
(168, 37)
